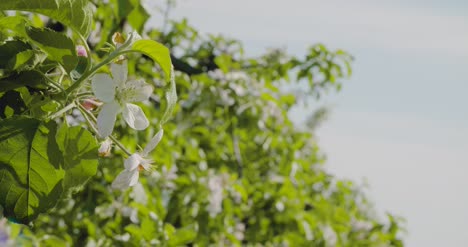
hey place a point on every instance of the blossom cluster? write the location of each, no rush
(116, 94)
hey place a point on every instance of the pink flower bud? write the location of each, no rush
(81, 51)
(90, 104)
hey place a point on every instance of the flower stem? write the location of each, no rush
(56, 85)
(88, 51)
(92, 71)
(62, 111)
(85, 114)
(84, 94)
(86, 75)
(120, 145)
(91, 120)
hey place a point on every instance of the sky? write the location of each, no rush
(400, 123)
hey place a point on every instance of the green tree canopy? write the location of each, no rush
(232, 168)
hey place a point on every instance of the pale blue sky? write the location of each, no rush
(401, 121)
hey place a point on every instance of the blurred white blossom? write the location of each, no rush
(330, 236)
(239, 231)
(216, 184)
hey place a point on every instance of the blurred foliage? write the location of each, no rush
(232, 168)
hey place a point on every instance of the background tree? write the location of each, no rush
(232, 168)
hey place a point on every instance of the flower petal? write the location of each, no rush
(153, 143)
(134, 178)
(119, 72)
(132, 162)
(126, 179)
(135, 117)
(139, 194)
(103, 87)
(106, 118)
(137, 90)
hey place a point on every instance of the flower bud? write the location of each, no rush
(105, 148)
(118, 39)
(81, 51)
(90, 104)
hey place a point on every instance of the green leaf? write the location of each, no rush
(53, 241)
(20, 59)
(11, 99)
(10, 49)
(58, 46)
(124, 7)
(80, 150)
(26, 60)
(80, 67)
(32, 78)
(30, 175)
(171, 100)
(135, 231)
(39, 164)
(183, 236)
(77, 14)
(50, 105)
(156, 51)
(138, 17)
(17, 55)
(9, 111)
(149, 228)
(224, 62)
(160, 54)
(13, 24)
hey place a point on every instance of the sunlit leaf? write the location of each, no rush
(79, 149)
(59, 47)
(76, 14)
(171, 99)
(30, 174)
(34, 174)
(156, 51)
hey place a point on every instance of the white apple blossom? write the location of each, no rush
(136, 163)
(117, 94)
